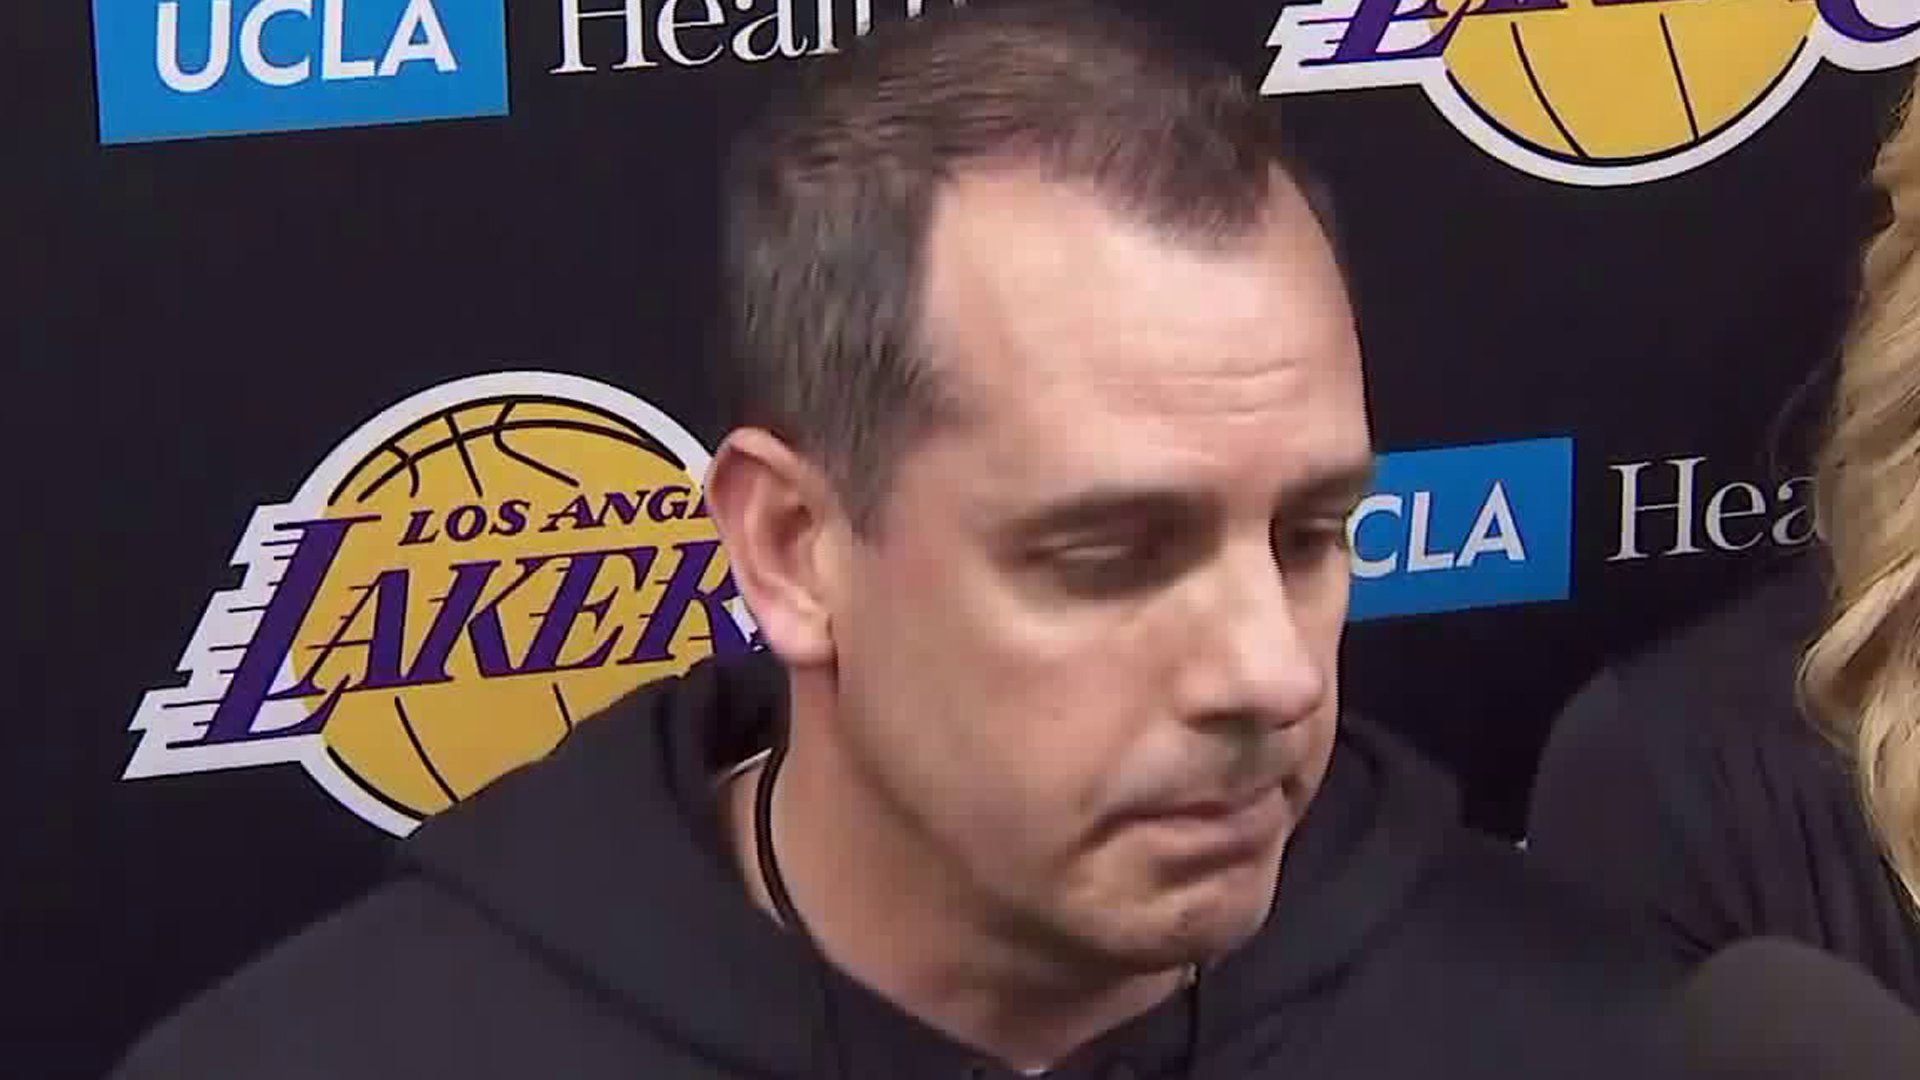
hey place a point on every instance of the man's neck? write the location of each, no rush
(874, 907)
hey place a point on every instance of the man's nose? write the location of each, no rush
(1256, 660)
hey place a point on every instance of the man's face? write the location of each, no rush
(1089, 647)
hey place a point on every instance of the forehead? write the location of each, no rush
(1084, 347)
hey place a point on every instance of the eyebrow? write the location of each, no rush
(1098, 507)
(1348, 486)
(1104, 506)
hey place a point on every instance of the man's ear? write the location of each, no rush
(777, 517)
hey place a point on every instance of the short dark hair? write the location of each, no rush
(830, 197)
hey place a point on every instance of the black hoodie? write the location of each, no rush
(582, 919)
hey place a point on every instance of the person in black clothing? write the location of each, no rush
(1051, 418)
(1759, 775)
(1685, 785)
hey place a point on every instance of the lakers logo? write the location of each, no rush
(464, 579)
(1591, 92)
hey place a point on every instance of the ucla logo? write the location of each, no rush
(1591, 92)
(173, 69)
(460, 582)
(1464, 527)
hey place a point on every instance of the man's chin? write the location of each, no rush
(1203, 929)
(1222, 913)
(1223, 932)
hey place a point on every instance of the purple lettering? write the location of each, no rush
(668, 504)
(513, 518)
(418, 524)
(1367, 31)
(683, 591)
(578, 510)
(1521, 7)
(570, 602)
(313, 555)
(461, 613)
(388, 595)
(456, 607)
(488, 632)
(465, 523)
(622, 507)
(1846, 17)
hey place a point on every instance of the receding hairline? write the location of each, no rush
(1014, 166)
(1287, 203)
(832, 193)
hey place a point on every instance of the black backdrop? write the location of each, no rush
(194, 324)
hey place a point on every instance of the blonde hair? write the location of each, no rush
(1860, 679)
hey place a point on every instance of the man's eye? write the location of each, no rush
(1104, 567)
(1311, 541)
(1095, 556)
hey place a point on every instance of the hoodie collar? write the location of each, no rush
(609, 858)
(1375, 827)
(604, 858)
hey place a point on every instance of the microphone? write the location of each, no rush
(1769, 1009)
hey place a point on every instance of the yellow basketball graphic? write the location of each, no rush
(504, 589)
(1597, 93)
(1623, 82)
(462, 580)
